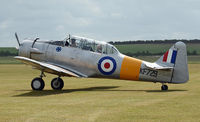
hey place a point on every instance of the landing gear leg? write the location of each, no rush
(42, 74)
(164, 87)
(38, 83)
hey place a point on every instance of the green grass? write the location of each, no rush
(96, 99)
(153, 48)
(8, 60)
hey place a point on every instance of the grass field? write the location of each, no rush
(153, 48)
(96, 99)
(8, 60)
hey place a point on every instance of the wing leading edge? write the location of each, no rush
(50, 68)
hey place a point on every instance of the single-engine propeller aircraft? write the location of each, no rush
(82, 57)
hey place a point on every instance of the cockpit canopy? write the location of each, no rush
(87, 44)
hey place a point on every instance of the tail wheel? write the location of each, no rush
(57, 83)
(164, 87)
(37, 84)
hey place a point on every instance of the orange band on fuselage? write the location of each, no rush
(130, 68)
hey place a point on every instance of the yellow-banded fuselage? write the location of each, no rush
(82, 57)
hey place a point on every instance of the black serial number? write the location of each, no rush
(149, 72)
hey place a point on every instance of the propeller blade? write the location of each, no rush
(17, 38)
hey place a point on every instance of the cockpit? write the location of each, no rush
(87, 44)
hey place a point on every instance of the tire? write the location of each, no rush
(57, 84)
(37, 84)
(164, 87)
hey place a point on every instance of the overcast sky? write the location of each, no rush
(107, 20)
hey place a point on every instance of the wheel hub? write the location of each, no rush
(36, 84)
(56, 84)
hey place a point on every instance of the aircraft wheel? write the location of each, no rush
(57, 83)
(164, 87)
(37, 84)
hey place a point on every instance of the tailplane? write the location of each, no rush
(176, 57)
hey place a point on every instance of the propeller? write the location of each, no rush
(17, 38)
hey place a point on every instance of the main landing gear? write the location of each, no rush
(57, 83)
(164, 87)
(38, 83)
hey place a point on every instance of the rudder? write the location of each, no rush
(180, 72)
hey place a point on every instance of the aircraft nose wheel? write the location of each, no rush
(164, 87)
(37, 84)
(57, 83)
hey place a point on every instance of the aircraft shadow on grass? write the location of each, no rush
(31, 93)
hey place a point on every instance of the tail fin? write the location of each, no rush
(176, 57)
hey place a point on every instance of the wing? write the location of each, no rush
(50, 68)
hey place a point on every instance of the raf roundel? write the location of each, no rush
(107, 65)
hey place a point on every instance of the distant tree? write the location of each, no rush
(7, 53)
(194, 52)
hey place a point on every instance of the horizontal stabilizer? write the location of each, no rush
(157, 66)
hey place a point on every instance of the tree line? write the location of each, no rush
(8, 53)
(147, 53)
(193, 41)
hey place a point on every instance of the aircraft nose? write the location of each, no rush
(25, 47)
(22, 51)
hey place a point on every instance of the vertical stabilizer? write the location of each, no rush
(176, 57)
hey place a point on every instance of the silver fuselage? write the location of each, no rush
(83, 61)
(86, 63)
